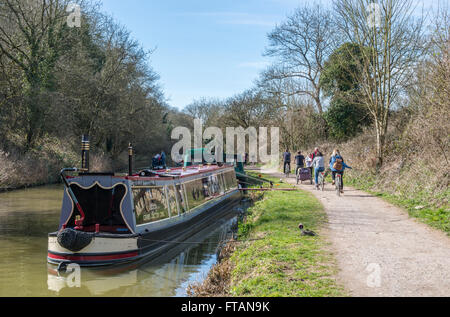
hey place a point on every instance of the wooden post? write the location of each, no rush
(85, 153)
(130, 160)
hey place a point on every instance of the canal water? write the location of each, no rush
(27, 216)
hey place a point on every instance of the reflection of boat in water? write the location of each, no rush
(166, 275)
(109, 219)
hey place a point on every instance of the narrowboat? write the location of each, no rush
(109, 218)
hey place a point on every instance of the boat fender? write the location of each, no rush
(147, 173)
(62, 267)
(74, 240)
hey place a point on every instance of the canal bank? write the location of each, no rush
(272, 257)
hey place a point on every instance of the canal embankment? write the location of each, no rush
(271, 257)
(42, 165)
(36, 167)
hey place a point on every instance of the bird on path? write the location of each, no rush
(306, 232)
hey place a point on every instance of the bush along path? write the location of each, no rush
(380, 250)
(273, 258)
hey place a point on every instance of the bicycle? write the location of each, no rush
(338, 183)
(287, 169)
(321, 181)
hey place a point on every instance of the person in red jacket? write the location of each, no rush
(316, 151)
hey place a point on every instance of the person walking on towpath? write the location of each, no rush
(299, 162)
(286, 162)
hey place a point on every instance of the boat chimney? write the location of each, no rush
(130, 160)
(85, 153)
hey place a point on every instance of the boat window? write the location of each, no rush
(172, 200)
(214, 185)
(230, 180)
(181, 198)
(224, 181)
(202, 190)
(223, 186)
(195, 193)
(150, 204)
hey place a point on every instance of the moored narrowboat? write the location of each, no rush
(111, 219)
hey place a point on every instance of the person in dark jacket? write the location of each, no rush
(299, 162)
(286, 161)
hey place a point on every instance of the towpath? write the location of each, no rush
(380, 250)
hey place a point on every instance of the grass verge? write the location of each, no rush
(420, 206)
(272, 258)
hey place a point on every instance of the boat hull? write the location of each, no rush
(112, 249)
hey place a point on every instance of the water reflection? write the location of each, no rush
(27, 216)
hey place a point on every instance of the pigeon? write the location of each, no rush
(306, 232)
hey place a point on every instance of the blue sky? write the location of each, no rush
(204, 48)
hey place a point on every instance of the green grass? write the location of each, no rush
(284, 263)
(437, 217)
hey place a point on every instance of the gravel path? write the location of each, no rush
(380, 250)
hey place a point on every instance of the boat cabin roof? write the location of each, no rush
(180, 172)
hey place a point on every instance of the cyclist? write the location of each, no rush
(337, 166)
(287, 161)
(299, 161)
(319, 166)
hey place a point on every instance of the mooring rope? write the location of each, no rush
(241, 182)
(197, 242)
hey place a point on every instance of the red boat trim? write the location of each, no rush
(93, 257)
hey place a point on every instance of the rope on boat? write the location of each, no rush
(260, 179)
(270, 189)
(241, 182)
(197, 242)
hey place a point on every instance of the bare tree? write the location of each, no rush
(430, 94)
(302, 44)
(208, 110)
(392, 42)
(248, 109)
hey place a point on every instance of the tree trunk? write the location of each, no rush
(380, 145)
